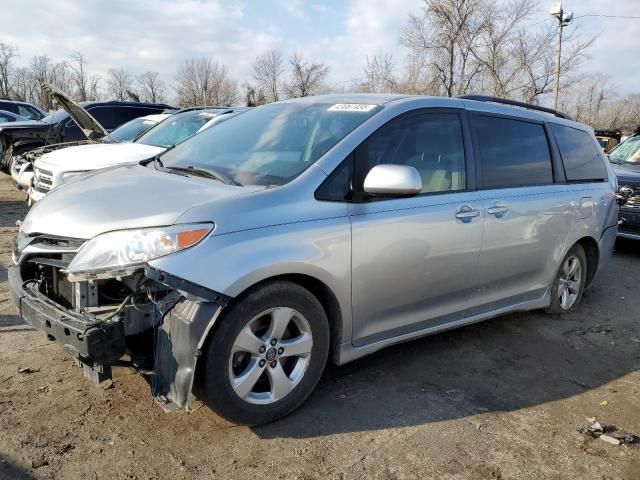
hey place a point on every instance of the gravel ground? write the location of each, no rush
(500, 399)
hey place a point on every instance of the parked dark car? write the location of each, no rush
(24, 109)
(625, 159)
(6, 116)
(59, 127)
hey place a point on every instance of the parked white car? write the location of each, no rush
(61, 166)
(21, 168)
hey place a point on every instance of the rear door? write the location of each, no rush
(527, 206)
(414, 259)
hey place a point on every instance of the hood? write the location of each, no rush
(89, 125)
(128, 196)
(627, 173)
(95, 156)
(25, 124)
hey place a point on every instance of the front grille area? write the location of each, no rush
(42, 180)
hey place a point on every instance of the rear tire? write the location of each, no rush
(568, 285)
(266, 354)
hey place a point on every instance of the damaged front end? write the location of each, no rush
(160, 321)
(23, 165)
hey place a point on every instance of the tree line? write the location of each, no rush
(453, 47)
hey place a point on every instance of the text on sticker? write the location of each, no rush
(351, 107)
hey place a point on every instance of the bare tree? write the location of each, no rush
(379, 75)
(7, 54)
(462, 46)
(119, 81)
(152, 87)
(43, 70)
(306, 79)
(204, 81)
(267, 71)
(439, 40)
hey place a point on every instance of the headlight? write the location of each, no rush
(123, 248)
(67, 177)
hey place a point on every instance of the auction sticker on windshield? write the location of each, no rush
(351, 107)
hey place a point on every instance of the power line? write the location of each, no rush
(626, 17)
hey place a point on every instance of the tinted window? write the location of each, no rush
(580, 154)
(9, 106)
(109, 117)
(6, 118)
(432, 143)
(512, 152)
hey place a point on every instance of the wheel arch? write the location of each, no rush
(318, 289)
(592, 252)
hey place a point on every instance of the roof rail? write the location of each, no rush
(515, 103)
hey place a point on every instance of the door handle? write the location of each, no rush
(466, 213)
(498, 210)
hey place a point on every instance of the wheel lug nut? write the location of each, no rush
(280, 351)
(273, 364)
(262, 349)
(262, 362)
(274, 341)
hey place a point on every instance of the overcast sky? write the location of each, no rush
(156, 35)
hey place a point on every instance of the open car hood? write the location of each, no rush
(89, 125)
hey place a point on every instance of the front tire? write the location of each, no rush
(568, 286)
(267, 354)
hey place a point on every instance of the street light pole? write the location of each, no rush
(564, 19)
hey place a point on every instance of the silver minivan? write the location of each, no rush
(236, 264)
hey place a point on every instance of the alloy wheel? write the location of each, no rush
(270, 355)
(569, 282)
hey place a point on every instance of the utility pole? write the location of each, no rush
(564, 19)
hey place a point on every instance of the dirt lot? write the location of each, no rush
(501, 399)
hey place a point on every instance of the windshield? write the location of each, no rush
(627, 152)
(272, 144)
(129, 131)
(55, 117)
(176, 128)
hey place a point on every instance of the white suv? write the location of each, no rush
(61, 166)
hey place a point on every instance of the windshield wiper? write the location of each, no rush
(207, 173)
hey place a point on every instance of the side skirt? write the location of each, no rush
(348, 352)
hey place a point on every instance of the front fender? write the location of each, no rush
(231, 263)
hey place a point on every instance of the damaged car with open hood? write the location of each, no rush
(60, 166)
(74, 124)
(234, 265)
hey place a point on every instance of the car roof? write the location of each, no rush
(125, 104)
(451, 102)
(371, 98)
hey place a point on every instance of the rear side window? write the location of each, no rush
(580, 155)
(9, 106)
(513, 153)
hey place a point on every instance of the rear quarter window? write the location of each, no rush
(580, 154)
(513, 153)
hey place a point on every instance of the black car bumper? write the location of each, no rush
(629, 226)
(90, 340)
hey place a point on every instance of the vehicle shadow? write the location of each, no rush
(505, 364)
(10, 471)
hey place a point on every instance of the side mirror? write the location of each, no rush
(388, 179)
